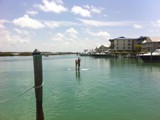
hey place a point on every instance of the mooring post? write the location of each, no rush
(38, 80)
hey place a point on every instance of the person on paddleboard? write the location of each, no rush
(78, 62)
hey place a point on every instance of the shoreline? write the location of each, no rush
(10, 54)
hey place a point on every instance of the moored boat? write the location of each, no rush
(151, 56)
(101, 55)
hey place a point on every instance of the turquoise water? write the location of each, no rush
(104, 89)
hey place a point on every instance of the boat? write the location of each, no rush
(151, 56)
(100, 55)
(84, 54)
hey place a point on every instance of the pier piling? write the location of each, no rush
(38, 80)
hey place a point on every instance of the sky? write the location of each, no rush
(74, 25)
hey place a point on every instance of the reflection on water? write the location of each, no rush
(78, 76)
(153, 68)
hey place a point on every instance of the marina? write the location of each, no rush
(103, 88)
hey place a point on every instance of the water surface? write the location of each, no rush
(104, 89)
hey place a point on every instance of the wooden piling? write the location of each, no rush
(38, 80)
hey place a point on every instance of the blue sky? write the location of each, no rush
(74, 25)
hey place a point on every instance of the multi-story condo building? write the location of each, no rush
(121, 44)
(150, 44)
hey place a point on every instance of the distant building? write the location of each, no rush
(101, 49)
(88, 52)
(121, 44)
(150, 44)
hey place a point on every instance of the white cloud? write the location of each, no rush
(32, 13)
(71, 31)
(69, 38)
(16, 39)
(67, 23)
(52, 24)
(104, 23)
(22, 32)
(65, 42)
(86, 10)
(55, 6)
(9, 40)
(59, 37)
(2, 22)
(93, 9)
(81, 11)
(137, 26)
(157, 23)
(28, 22)
(103, 34)
(69, 35)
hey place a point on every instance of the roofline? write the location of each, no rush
(123, 38)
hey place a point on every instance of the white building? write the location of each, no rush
(125, 44)
(150, 44)
(101, 49)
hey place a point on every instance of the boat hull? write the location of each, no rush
(102, 55)
(150, 58)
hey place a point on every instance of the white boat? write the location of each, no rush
(151, 56)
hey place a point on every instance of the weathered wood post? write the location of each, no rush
(38, 80)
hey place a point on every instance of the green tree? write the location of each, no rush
(111, 46)
(138, 47)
